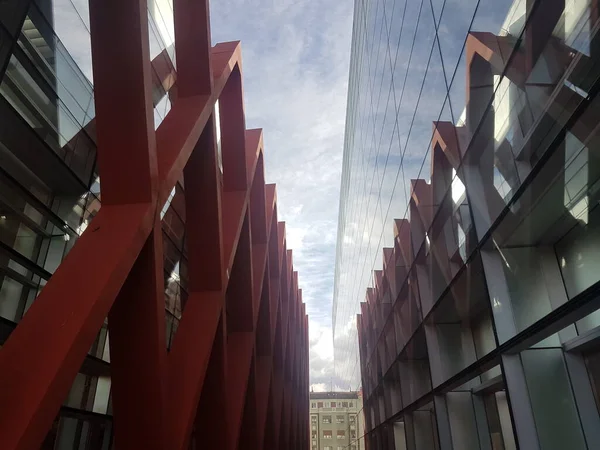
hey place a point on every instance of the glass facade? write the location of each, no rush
(469, 221)
(407, 70)
(50, 188)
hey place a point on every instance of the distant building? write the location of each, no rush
(336, 421)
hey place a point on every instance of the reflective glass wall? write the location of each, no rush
(478, 323)
(407, 70)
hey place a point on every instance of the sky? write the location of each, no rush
(295, 56)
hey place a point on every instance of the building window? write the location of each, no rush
(352, 434)
(326, 419)
(339, 419)
(592, 362)
(341, 434)
(333, 404)
(313, 435)
(344, 404)
(313, 405)
(319, 404)
(351, 404)
(352, 419)
(313, 419)
(327, 434)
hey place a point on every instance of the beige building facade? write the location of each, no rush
(336, 421)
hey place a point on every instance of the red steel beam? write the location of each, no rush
(128, 164)
(193, 49)
(124, 113)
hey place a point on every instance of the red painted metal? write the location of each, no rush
(237, 372)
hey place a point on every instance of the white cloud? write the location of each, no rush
(320, 387)
(295, 238)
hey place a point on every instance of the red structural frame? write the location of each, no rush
(237, 372)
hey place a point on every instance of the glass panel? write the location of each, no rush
(592, 362)
(78, 392)
(463, 425)
(97, 349)
(425, 429)
(66, 434)
(70, 19)
(452, 32)
(18, 287)
(577, 24)
(10, 298)
(160, 15)
(499, 421)
(528, 292)
(578, 253)
(82, 432)
(549, 386)
(49, 117)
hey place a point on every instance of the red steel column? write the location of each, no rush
(124, 112)
(203, 311)
(136, 325)
(129, 173)
(199, 332)
(212, 425)
(233, 135)
(193, 47)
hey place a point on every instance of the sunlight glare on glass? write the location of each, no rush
(458, 188)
